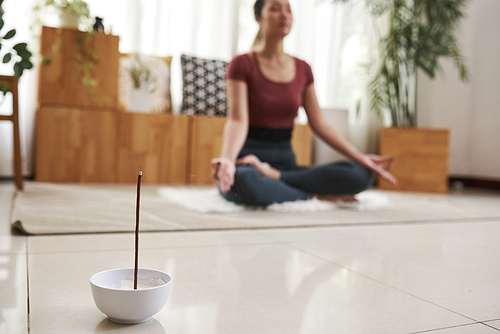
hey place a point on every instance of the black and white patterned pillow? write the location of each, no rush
(204, 88)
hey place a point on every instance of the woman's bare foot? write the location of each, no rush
(264, 168)
(337, 198)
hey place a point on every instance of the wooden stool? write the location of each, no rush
(11, 82)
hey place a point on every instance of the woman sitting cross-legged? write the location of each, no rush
(265, 88)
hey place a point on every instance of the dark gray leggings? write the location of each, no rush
(297, 183)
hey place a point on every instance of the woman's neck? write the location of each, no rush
(272, 49)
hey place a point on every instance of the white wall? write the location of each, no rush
(322, 152)
(470, 110)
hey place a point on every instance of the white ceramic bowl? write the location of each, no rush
(129, 306)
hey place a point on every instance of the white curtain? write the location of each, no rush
(338, 41)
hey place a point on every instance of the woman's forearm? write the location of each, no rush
(235, 133)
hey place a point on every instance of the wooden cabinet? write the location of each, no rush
(80, 136)
(206, 144)
(420, 158)
(157, 144)
(302, 144)
(67, 52)
(75, 145)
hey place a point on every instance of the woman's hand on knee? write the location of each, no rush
(250, 160)
(264, 168)
(223, 170)
(380, 165)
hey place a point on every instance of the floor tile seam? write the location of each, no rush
(489, 326)
(447, 327)
(383, 283)
(21, 252)
(343, 225)
(423, 223)
(13, 254)
(307, 240)
(431, 221)
(415, 240)
(28, 301)
(498, 319)
(154, 248)
(362, 224)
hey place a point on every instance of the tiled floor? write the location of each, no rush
(441, 278)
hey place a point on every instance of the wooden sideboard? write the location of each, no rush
(157, 144)
(74, 145)
(81, 137)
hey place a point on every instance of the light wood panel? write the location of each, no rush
(157, 144)
(60, 81)
(75, 145)
(206, 144)
(421, 158)
(302, 144)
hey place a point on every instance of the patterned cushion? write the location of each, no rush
(204, 88)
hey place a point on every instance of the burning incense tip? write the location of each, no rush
(140, 173)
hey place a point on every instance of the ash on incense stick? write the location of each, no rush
(143, 283)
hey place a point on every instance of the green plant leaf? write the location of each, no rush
(18, 70)
(7, 58)
(28, 65)
(25, 54)
(1, 24)
(4, 89)
(20, 47)
(10, 34)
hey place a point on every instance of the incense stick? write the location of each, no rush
(137, 229)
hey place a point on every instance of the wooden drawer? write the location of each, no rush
(75, 145)
(157, 144)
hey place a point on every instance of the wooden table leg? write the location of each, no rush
(18, 170)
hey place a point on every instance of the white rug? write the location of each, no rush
(208, 200)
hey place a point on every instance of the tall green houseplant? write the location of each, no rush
(420, 32)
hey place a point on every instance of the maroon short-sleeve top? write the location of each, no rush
(270, 104)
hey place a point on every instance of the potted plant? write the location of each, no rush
(18, 54)
(420, 32)
(71, 13)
